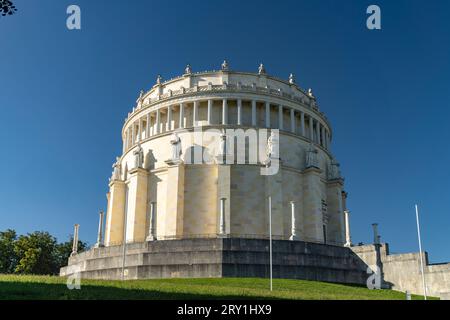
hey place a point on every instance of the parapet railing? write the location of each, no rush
(309, 102)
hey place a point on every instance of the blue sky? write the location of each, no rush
(64, 96)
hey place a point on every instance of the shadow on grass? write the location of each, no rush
(15, 290)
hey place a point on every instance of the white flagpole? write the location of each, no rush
(420, 252)
(270, 240)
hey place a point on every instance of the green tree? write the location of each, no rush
(8, 258)
(36, 253)
(64, 249)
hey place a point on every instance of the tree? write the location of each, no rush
(36, 253)
(8, 258)
(7, 7)
(64, 249)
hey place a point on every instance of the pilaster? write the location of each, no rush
(115, 213)
(137, 204)
(274, 189)
(175, 199)
(336, 222)
(312, 205)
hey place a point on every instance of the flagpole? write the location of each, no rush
(420, 253)
(270, 240)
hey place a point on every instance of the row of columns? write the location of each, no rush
(318, 133)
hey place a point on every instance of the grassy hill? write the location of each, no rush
(45, 287)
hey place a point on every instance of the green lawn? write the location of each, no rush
(45, 287)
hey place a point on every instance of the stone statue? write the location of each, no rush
(273, 146)
(333, 170)
(117, 169)
(141, 95)
(261, 69)
(311, 158)
(310, 93)
(225, 65)
(158, 79)
(223, 144)
(291, 78)
(188, 69)
(175, 141)
(138, 156)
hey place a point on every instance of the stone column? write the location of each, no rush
(239, 112)
(323, 137)
(293, 227)
(100, 231)
(311, 129)
(376, 238)
(318, 132)
(137, 205)
(75, 240)
(151, 223)
(222, 217)
(224, 111)
(147, 127)
(158, 124)
(267, 114)
(302, 122)
(348, 240)
(195, 114)
(133, 134)
(115, 213)
(280, 117)
(139, 138)
(254, 113)
(169, 119)
(210, 105)
(292, 120)
(181, 123)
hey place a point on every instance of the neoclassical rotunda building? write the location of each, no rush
(194, 152)
(231, 174)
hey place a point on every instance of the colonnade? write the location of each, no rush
(263, 114)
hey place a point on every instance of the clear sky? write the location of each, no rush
(64, 96)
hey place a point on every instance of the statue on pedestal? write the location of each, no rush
(224, 65)
(188, 69)
(223, 144)
(273, 146)
(175, 141)
(333, 170)
(117, 170)
(311, 157)
(310, 93)
(261, 69)
(291, 78)
(158, 79)
(138, 156)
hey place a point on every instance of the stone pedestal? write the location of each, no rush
(115, 213)
(175, 199)
(137, 205)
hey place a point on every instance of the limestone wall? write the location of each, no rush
(403, 272)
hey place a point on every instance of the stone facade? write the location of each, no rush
(188, 194)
